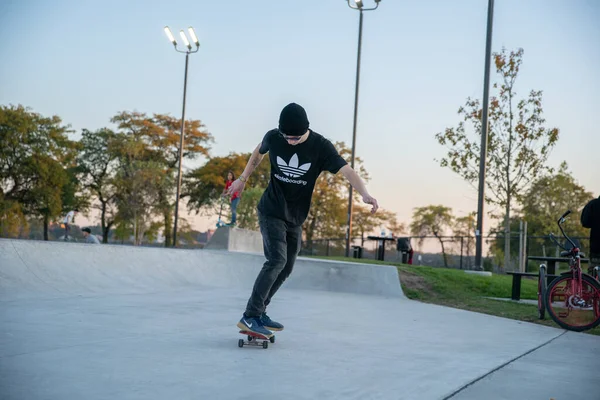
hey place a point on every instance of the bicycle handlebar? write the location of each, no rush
(561, 220)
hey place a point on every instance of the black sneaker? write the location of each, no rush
(270, 324)
(254, 324)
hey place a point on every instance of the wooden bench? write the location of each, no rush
(516, 282)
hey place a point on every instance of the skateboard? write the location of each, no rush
(255, 339)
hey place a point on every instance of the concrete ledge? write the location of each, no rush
(236, 239)
(482, 273)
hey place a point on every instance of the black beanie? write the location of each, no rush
(293, 120)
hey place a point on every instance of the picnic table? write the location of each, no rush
(551, 268)
(381, 245)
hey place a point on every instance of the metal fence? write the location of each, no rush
(450, 251)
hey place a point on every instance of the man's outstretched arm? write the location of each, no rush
(253, 162)
(359, 185)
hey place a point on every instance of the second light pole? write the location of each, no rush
(355, 5)
(187, 52)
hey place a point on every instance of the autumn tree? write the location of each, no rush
(328, 213)
(432, 220)
(159, 137)
(518, 141)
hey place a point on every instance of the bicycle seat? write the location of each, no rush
(565, 253)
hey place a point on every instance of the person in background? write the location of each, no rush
(590, 218)
(89, 238)
(235, 198)
(69, 219)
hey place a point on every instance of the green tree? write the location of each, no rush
(35, 152)
(547, 199)
(99, 161)
(465, 228)
(432, 220)
(518, 141)
(247, 209)
(204, 185)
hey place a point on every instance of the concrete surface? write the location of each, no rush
(236, 239)
(110, 322)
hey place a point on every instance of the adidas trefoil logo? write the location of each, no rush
(292, 169)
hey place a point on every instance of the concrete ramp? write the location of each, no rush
(35, 268)
(236, 239)
(102, 322)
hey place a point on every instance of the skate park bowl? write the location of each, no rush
(84, 321)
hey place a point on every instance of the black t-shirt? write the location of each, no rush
(294, 171)
(590, 218)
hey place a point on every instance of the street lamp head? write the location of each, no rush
(170, 36)
(193, 36)
(360, 5)
(185, 40)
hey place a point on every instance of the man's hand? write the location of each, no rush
(236, 186)
(371, 200)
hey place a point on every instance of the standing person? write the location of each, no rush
(235, 198)
(590, 218)
(89, 238)
(298, 155)
(69, 219)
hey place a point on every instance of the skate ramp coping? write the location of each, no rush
(236, 239)
(30, 269)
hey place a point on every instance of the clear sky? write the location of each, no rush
(87, 60)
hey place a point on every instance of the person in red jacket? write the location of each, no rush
(235, 198)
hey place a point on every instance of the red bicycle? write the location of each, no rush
(573, 298)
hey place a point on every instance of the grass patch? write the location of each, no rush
(457, 289)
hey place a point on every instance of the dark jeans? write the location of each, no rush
(281, 243)
(234, 205)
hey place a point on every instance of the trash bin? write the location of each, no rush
(357, 251)
(403, 246)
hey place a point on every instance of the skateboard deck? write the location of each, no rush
(255, 339)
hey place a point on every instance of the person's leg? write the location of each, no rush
(234, 205)
(66, 231)
(294, 242)
(594, 262)
(273, 232)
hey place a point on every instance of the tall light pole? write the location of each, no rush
(355, 5)
(484, 139)
(187, 52)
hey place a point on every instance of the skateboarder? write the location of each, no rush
(69, 219)
(590, 218)
(298, 155)
(235, 198)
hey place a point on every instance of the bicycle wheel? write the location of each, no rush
(542, 287)
(568, 309)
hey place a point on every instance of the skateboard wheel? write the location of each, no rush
(241, 343)
(272, 339)
(250, 338)
(265, 344)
